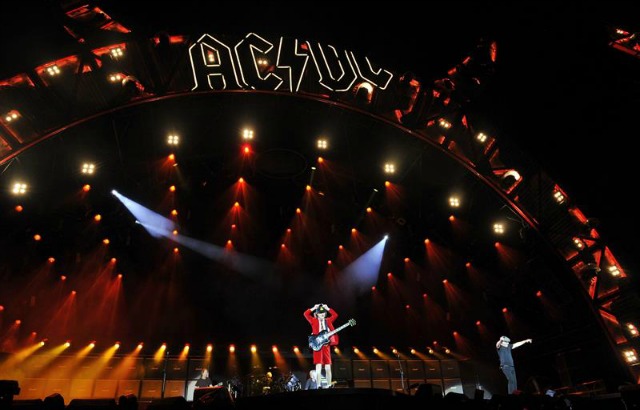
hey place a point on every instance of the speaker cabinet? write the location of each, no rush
(361, 369)
(341, 369)
(128, 387)
(379, 369)
(151, 389)
(81, 389)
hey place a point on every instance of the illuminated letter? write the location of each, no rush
(379, 78)
(334, 74)
(212, 64)
(293, 57)
(251, 64)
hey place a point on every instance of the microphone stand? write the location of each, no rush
(164, 373)
(401, 373)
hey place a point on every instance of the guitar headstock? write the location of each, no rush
(352, 322)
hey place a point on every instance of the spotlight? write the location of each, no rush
(116, 52)
(209, 348)
(247, 134)
(296, 349)
(88, 168)
(114, 192)
(498, 228)
(173, 139)
(389, 168)
(232, 349)
(444, 123)
(53, 70)
(614, 271)
(19, 188)
(322, 144)
(454, 201)
(559, 196)
(630, 356)
(481, 137)
(386, 237)
(254, 349)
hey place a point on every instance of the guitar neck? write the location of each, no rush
(336, 330)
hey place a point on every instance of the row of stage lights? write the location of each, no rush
(630, 355)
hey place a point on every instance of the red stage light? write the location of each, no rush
(37, 237)
(478, 323)
(172, 188)
(505, 310)
(172, 157)
(539, 293)
(298, 211)
(86, 188)
(63, 278)
(51, 259)
(97, 218)
(18, 321)
(19, 208)
(387, 184)
(406, 260)
(389, 275)
(468, 264)
(174, 212)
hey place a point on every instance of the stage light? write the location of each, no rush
(478, 323)
(430, 351)
(172, 157)
(329, 262)
(53, 70)
(389, 168)
(296, 349)
(241, 180)
(97, 218)
(209, 348)
(481, 138)
(254, 349)
(116, 52)
(186, 348)
(389, 275)
(63, 278)
(12, 116)
(578, 243)
(613, 271)
(19, 188)
(247, 134)
(413, 351)
(211, 56)
(320, 160)
(236, 205)
(88, 168)
(363, 93)
(426, 241)
(262, 61)
(1, 308)
(274, 349)
(67, 344)
(468, 264)
(92, 344)
(51, 259)
(73, 292)
(336, 350)
(283, 246)
(356, 350)
(19, 208)
(106, 241)
(505, 310)
(140, 346)
(559, 196)
(452, 218)
(354, 230)
(37, 237)
(119, 275)
(407, 307)
(498, 228)
(172, 188)
(18, 321)
(42, 343)
(424, 295)
(232, 349)
(233, 226)
(369, 210)
(173, 139)
(115, 77)
(630, 356)
(298, 211)
(322, 144)
(86, 188)
(247, 149)
(447, 351)
(114, 260)
(394, 351)
(176, 250)
(174, 212)
(116, 346)
(633, 330)
(308, 188)
(114, 192)
(455, 333)
(444, 124)
(445, 281)
(454, 201)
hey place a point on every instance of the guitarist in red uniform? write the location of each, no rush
(317, 317)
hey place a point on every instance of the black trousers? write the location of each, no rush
(510, 373)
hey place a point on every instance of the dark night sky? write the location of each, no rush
(559, 93)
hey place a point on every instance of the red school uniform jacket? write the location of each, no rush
(315, 324)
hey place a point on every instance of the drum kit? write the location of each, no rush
(268, 383)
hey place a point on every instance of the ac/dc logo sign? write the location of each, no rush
(290, 65)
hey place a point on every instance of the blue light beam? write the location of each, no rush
(362, 273)
(146, 217)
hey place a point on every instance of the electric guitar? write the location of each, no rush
(322, 338)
